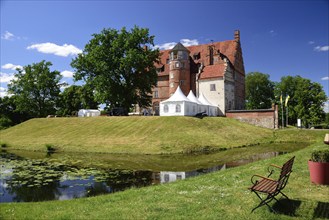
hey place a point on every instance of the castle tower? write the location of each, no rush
(179, 74)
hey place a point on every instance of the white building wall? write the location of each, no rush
(216, 97)
(229, 89)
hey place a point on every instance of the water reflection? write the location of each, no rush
(30, 180)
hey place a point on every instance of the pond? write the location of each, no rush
(34, 176)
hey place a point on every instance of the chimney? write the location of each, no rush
(237, 35)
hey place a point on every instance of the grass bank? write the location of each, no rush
(219, 195)
(141, 135)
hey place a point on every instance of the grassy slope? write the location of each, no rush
(219, 195)
(152, 135)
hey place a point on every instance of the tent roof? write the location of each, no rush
(192, 98)
(177, 96)
(203, 100)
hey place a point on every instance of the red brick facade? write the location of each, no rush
(184, 66)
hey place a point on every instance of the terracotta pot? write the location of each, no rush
(319, 172)
(326, 139)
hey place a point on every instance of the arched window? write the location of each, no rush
(178, 108)
(165, 108)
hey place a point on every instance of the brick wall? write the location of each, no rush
(267, 118)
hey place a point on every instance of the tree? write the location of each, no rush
(119, 67)
(259, 91)
(306, 99)
(36, 89)
(74, 98)
(9, 115)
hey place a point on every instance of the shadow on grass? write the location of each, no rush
(290, 206)
(286, 206)
(322, 210)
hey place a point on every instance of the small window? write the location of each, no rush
(212, 87)
(167, 61)
(177, 64)
(178, 108)
(171, 85)
(181, 82)
(179, 177)
(156, 94)
(171, 75)
(165, 108)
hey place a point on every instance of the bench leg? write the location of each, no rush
(265, 201)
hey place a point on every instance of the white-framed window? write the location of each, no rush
(165, 108)
(178, 108)
(177, 64)
(156, 94)
(212, 87)
(171, 85)
(171, 75)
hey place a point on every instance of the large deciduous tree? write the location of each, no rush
(36, 89)
(259, 91)
(118, 65)
(74, 98)
(306, 99)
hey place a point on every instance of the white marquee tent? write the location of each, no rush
(89, 113)
(180, 105)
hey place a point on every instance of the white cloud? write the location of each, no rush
(67, 74)
(170, 45)
(325, 78)
(311, 42)
(8, 36)
(188, 42)
(3, 92)
(326, 107)
(11, 66)
(51, 48)
(165, 46)
(6, 77)
(321, 48)
(64, 85)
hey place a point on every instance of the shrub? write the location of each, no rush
(320, 156)
(50, 148)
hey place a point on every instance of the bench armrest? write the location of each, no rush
(273, 165)
(259, 176)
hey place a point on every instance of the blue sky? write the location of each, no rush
(278, 38)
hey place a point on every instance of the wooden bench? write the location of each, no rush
(266, 188)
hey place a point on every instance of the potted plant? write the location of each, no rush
(319, 167)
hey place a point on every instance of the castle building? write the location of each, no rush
(215, 70)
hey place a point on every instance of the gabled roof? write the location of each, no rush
(203, 100)
(179, 47)
(192, 98)
(177, 96)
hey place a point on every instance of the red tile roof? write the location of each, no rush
(229, 48)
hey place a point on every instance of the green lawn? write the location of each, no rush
(219, 195)
(151, 135)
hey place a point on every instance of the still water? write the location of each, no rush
(31, 176)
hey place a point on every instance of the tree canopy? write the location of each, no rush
(306, 99)
(74, 98)
(36, 89)
(118, 66)
(259, 91)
